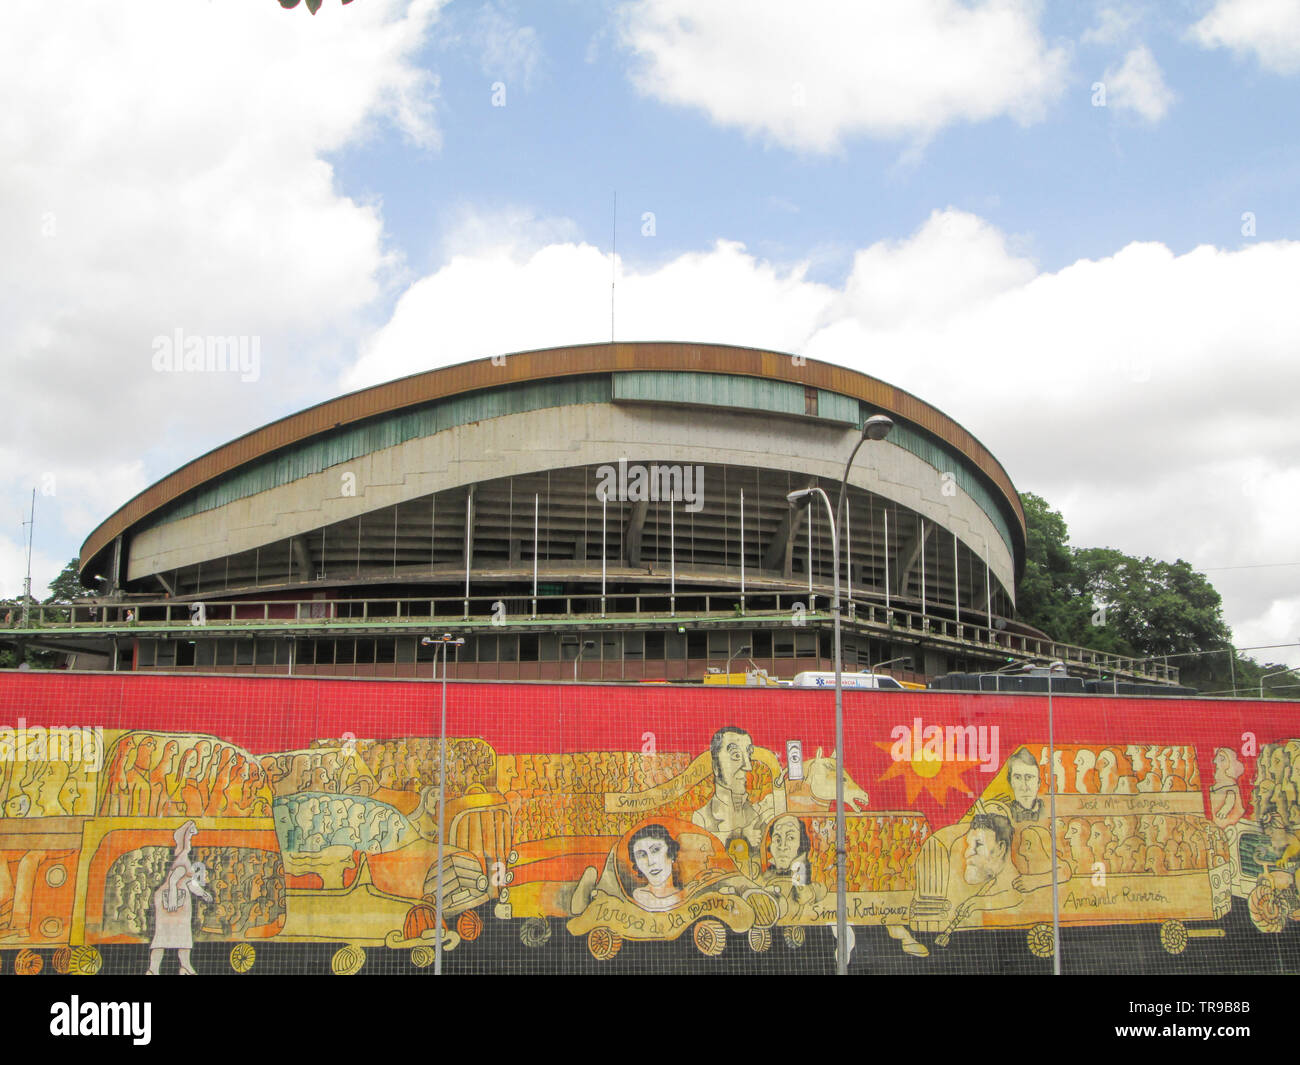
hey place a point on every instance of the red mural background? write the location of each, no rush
(276, 714)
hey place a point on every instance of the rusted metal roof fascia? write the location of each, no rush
(532, 365)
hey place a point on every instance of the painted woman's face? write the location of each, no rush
(652, 859)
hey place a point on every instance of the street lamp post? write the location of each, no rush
(876, 427)
(1051, 794)
(586, 645)
(446, 640)
(1279, 673)
(841, 930)
(891, 661)
(745, 649)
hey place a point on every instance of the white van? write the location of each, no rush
(815, 679)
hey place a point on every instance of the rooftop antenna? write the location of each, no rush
(27, 581)
(613, 260)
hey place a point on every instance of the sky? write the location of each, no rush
(1072, 226)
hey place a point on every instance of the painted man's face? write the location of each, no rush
(985, 856)
(1025, 779)
(734, 760)
(785, 842)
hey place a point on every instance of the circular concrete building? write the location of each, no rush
(605, 511)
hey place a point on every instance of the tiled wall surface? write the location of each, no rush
(296, 824)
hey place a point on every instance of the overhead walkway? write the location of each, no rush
(86, 628)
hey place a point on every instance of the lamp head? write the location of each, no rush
(877, 427)
(798, 496)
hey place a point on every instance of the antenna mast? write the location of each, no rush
(27, 581)
(613, 261)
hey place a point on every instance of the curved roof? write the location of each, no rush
(546, 363)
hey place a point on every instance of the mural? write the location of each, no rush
(713, 832)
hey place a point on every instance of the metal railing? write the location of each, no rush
(504, 613)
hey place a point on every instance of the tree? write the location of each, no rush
(1157, 608)
(67, 585)
(64, 589)
(1046, 596)
(1103, 599)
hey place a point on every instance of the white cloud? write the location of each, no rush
(810, 75)
(1268, 28)
(1139, 86)
(165, 169)
(1147, 395)
(510, 52)
(529, 295)
(1112, 24)
(13, 568)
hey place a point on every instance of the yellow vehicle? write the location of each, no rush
(1120, 858)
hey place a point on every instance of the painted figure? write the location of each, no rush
(1025, 777)
(1225, 796)
(789, 871)
(987, 867)
(730, 813)
(173, 904)
(653, 853)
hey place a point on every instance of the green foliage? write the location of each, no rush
(64, 588)
(10, 657)
(1101, 598)
(1044, 595)
(67, 585)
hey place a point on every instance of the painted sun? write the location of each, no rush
(926, 772)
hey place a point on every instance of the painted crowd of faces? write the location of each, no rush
(342, 801)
